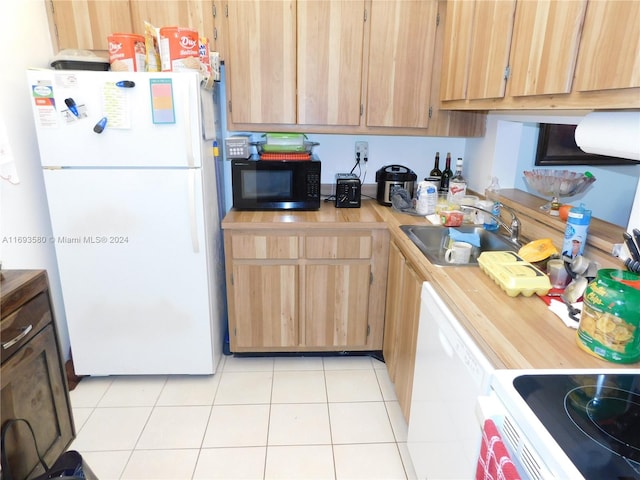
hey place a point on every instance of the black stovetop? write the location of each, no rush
(595, 418)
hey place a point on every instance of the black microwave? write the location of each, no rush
(275, 184)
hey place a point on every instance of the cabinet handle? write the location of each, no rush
(17, 338)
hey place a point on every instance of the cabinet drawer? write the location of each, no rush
(23, 324)
(264, 246)
(333, 246)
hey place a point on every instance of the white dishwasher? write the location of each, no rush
(450, 374)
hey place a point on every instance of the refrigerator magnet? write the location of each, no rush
(162, 109)
(99, 127)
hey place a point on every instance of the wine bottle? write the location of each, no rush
(435, 172)
(447, 173)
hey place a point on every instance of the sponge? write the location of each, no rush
(473, 238)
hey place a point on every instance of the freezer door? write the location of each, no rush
(131, 250)
(155, 123)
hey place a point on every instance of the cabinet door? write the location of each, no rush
(220, 36)
(393, 310)
(490, 46)
(545, 46)
(264, 312)
(86, 24)
(401, 50)
(457, 45)
(33, 388)
(336, 305)
(407, 336)
(194, 14)
(330, 42)
(262, 61)
(401, 325)
(608, 57)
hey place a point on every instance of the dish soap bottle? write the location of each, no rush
(575, 233)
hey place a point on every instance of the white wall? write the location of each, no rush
(509, 148)
(24, 31)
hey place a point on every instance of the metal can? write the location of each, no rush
(610, 317)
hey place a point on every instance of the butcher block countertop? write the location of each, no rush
(513, 332)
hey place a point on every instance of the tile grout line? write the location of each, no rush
(266, 449)
(326, 394)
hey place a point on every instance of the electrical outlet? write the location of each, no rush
(362, 150)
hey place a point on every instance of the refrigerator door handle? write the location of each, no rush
(193, 222)
(187, 124)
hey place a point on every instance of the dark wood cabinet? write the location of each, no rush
(32, 379)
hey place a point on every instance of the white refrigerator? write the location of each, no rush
(135, 214)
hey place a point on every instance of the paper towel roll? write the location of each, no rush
(616, 134)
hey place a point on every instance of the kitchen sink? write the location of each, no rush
(432, 241)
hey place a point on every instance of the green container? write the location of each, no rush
(610, 320)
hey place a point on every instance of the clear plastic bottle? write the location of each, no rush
(491, 193)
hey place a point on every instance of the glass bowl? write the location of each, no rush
(557, 183)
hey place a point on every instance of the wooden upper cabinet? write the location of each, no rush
(329, 61)
(401, 53)
(490, 46)
(220, 37)
(457, 46)
(476, 49)
(545, 46)
(262, 61)
(194, 14)
(609, 55)
(86, 24)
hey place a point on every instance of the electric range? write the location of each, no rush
(575, 423)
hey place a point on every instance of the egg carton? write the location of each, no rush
(514, 275)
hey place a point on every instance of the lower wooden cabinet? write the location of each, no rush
(310, 291)
(401, 325)
(32, 380)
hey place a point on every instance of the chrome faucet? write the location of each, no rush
(513, 229)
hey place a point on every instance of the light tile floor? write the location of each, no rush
(332, 417)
